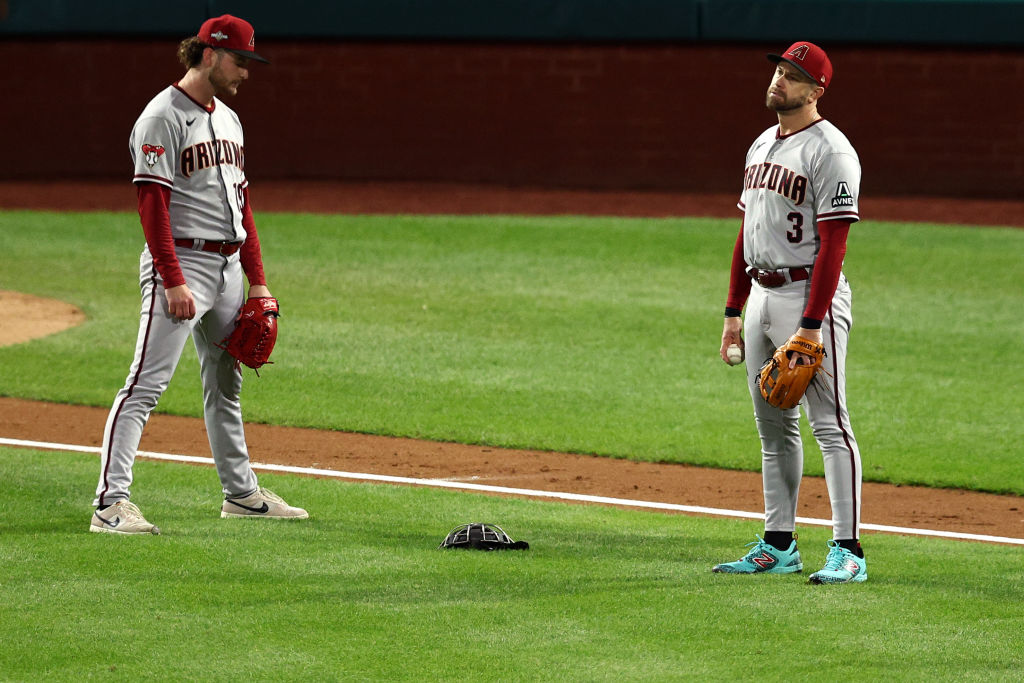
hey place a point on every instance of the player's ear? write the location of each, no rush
(209, 56)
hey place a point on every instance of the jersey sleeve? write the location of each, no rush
(154, 149)
(251, 254)
(828, 266)
(739, 281)
(837, 187)
(156, 225)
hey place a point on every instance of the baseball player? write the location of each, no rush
(189, 156)
(799, 198)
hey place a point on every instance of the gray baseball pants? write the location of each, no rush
(217, 285)
(772, 316)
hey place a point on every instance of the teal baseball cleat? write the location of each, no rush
(841, 566)
(764, 559)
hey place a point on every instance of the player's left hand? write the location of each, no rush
(803, 358)
(259, 291)
(252, 341)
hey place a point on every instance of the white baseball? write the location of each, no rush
(735, 354)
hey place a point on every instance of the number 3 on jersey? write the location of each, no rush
(797, 233)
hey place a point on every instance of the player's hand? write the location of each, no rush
(260, 291)
(803, 358)
(732, 333)
(180, 303)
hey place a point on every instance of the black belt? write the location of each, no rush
(777, 278)
(225, 248)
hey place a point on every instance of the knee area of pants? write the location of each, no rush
(229, 378)
(780, 453)
(827, 432)
(783, 426)
(146, 398)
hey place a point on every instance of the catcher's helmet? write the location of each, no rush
(480, 536)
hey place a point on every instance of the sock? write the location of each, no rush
(780, 539)
(851, 544)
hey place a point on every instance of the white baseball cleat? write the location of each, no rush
(261, 503)
(121, 518)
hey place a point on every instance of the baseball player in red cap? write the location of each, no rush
(800, 195)
(193, 195)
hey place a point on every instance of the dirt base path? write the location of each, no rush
(915, 507)
(905, 506)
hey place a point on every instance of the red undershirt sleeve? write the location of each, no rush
(739, 281)
(154, 200)
(251, 254)
(827, 268)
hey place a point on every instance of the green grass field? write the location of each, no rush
(586, 335)
(360, 592)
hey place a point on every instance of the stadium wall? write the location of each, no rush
(925, 120)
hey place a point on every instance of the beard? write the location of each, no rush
(784, 105)
(222, 85)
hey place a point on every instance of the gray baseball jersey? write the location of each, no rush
(791, 183)
(200, 155)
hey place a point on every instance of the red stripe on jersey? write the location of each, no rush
(839, 215)
(144, 178)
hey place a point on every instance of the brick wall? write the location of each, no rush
(926, 121)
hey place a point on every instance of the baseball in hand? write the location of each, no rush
(735, 354)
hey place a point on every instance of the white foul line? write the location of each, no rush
(558, 495)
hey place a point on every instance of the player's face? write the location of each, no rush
(789, 89)
(228, 72)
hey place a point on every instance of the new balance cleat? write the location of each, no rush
(261, 503)
(764, 559)
(841, 566)
(121, 518)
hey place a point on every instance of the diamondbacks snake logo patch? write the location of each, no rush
(152, 152)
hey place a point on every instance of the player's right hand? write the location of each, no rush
(732, 333)
(180, 303)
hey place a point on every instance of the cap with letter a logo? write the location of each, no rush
(809, 59)
(232, 34)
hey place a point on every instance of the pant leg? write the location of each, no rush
(782, 455)
(157, 351)
(222, 383)
(825, 405)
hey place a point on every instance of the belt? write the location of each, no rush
(224, 248)
(777, 278)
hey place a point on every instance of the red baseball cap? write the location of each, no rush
(232, 34)
(809, 59)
